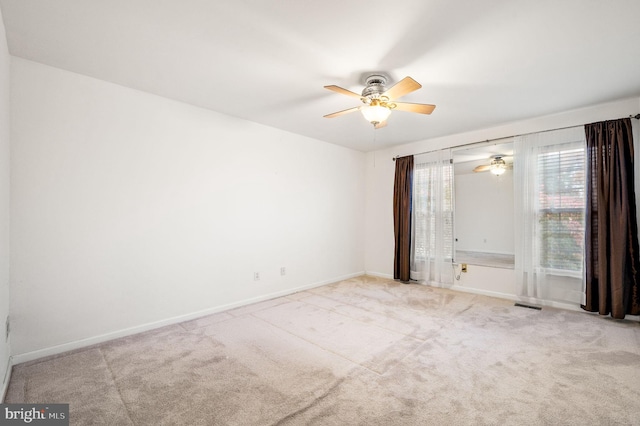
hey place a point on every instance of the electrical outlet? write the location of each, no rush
(256, 276)
(283, 271)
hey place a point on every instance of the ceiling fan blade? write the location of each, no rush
(401, 88)
(339, 113)
(380, 125)
(344, 91)
(485, 168)
(419, 108)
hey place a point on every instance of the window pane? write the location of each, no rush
(561, 192)
(429, 220)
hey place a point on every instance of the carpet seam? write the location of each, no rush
(24, 390)
(316, 345)
(356, 319)
(310, 404)
(115, 384)
(422, 342)
(375, 325)
(409, 353)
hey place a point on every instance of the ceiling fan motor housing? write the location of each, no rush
(375, 86)
(498, 160)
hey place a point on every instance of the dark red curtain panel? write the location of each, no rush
(402, 218)
(611, 247)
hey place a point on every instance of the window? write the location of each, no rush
(432, 217)
(549, 203)
(431, 220)
(561, 201)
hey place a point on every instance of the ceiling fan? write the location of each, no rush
(498, 165)
(379, 101)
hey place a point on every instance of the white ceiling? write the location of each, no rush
(483, 63)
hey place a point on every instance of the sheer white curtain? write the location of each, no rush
(432, 218)
(549, 197)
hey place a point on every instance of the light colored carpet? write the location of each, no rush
(366, 351)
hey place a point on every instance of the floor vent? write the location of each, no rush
(537, 308)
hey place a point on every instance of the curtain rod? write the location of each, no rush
(637, 117)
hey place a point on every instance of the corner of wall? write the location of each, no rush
(5, 342)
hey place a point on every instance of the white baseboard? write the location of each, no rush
(507, 296)
(481, 292)
(527, 300)
(379, 274)
(82, 343)
(6, 380)
(500, 295)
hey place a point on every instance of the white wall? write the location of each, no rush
(379, 189)
(131, 210)
(5, 348)
(484, 212)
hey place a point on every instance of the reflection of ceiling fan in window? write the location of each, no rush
(498, 165)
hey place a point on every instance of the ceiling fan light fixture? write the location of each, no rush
(375, 113)
(498, 169)
(498, 166)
